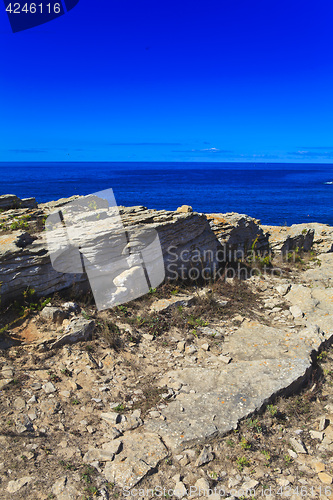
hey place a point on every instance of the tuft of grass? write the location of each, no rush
(272, 410)
(245, 444)
(242, 462)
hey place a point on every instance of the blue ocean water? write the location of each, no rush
(274, 193)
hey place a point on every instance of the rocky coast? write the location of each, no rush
(217, 383)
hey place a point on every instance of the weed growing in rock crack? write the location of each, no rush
(75, 402)
(122, 309)
(272, 410)
(254, 424)
(230, 443)
(91, 490)
(53, 376)
(20, 223)
(85, 315)
(322, 356)
(299, 405)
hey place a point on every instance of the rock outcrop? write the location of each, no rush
(283, 239)
(9, 201)
(193, 245)
(238, 234)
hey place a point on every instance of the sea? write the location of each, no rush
(277, 194)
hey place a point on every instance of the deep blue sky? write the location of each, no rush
(170, 80)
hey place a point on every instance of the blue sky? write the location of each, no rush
(129, 80)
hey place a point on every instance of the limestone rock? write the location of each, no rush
(298, 446)
(53, 314)
(185, 209)
(202, 487)
(237, 233)
(15, 486)
(140, 454)
(111, 418)
(49, 388)
(317, 435)
(64, 489)
(180, 490)
(186, 239)
(205, 456)
(296, 311)
(10, 201)
(325, 478)
(166, 304)
(98, 455)
(78, 329)
(284, 239)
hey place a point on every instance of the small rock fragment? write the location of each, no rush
(111, 418)
(205, 456)
(298, 445)
(296, 311)
(319, 467)
(49, 388)
(317, 435)
(325, 478)
(180, 490)
(323, 423)
(225, 359)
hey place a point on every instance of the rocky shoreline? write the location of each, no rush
(193, 388)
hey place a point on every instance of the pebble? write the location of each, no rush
(202, 486)
(292, 454)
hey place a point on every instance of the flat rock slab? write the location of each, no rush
(222, 397)
(141, 452)
(266, 361)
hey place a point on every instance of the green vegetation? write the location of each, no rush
(245, 444)
(254, 424)
(242, 462)
(272, 410)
